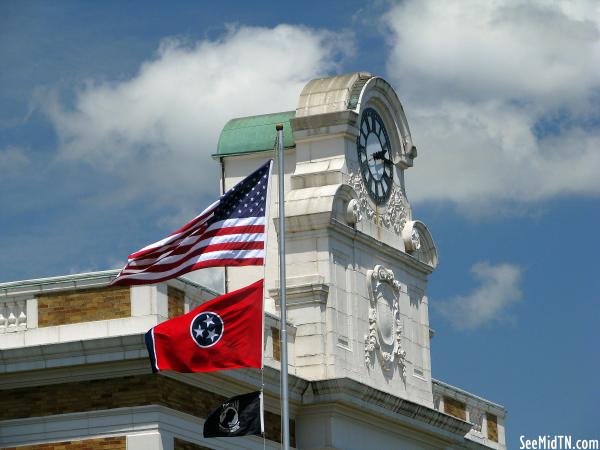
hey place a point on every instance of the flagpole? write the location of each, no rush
(268, 214)
(285, 422)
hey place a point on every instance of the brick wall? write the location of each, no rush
(111, 443)
(455, 408)
(83, 305)
(276, 344)
(121, 392)
(492, 427)
(185, 445)
(176, 300)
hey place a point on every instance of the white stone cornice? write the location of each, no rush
(119, 356)
(80, 281)
(369, 400)
(131, 422)
(75, 353)
(302, 290)
(381, 247)
(331, 124)
(442, 388)
(52, 284)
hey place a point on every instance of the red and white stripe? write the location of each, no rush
(198, 244)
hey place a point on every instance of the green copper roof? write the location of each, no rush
(254, 134)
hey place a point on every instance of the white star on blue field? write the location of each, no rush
(109, 112)
(207, 329)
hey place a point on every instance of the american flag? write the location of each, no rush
(230, 232)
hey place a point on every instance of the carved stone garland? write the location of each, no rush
(385, 327)
(395, 216)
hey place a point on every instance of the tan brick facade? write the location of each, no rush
(492, 427)
(276, 344)
(455, 408)
(176, 301)
(84, 305)
(118, 393)
(111, 443)
(184, 445)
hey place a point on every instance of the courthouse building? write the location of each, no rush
(74, 370)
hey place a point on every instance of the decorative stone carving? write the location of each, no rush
(411, 237)
(476, 418)
(13, 316)
(353, 213)
(371, 338)
(395, 215)
(385, 326)
(357, 184)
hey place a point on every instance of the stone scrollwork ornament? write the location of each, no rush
(411, 237)
(357, 184)
(395, 214)
(385, 326)
(353, 213)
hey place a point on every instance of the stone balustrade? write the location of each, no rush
(487, 418)
(13, 315)
(84, 307)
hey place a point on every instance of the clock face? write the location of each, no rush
(374, 156)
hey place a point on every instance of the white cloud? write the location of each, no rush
(498, 290)
(478, 78)
(158, 129)
(11, 159)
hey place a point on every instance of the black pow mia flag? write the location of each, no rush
(238, 416)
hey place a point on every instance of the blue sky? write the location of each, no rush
(109, 112)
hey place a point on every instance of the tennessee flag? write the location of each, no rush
(223, 333)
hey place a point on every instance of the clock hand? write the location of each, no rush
(377, 155)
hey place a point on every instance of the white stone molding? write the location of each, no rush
(437, 402)
(385, 326)
(313, 208)
(385, 249)
(302, 290)
(395, 215)
(31, 307)
(149, 427)
(476, 418)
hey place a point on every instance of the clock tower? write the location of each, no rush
(74, 368)
(357, 259)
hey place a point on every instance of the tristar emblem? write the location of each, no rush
(207, 329)
(229, 420)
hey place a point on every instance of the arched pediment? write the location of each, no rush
(379, 94)
(314, 207)
(419, 243)
(354, 92)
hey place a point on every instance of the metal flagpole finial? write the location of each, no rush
(279, 126)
